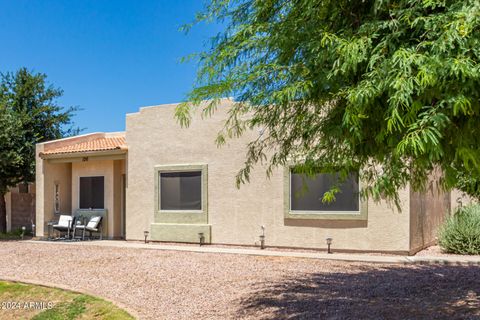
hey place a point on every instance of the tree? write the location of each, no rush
(29, 114)
(389, 88)
(10, 156)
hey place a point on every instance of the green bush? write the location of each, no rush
(461, 233)
(13, 235)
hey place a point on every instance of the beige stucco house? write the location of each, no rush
(176, 183)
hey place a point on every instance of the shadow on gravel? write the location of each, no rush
(421, 292)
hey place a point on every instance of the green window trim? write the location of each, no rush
(181, 216)
(362, 214)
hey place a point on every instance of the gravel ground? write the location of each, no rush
(185, 285)
(436, 251)
(269, 248)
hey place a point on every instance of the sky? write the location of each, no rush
(110, 57)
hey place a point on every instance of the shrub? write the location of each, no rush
(460, 234)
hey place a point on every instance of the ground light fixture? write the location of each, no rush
(23, 231)
(145, 234)
(329, 243)
(459, 202)
(33, 230)
(201, 238)
(262, 238)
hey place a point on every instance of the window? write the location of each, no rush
(181, 190)
(92, 192)
(181, 194)
(306, 193)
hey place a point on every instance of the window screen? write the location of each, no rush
(181, 190)
(91, 192)
(310, 199)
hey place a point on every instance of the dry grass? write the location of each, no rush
(24, 301)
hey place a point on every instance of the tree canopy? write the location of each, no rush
(29, 114)
(389, 88)
(10, 149)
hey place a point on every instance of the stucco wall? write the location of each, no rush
(235, 215)
(109, 169)
(47, 174)
(118, 171)
(459, 198)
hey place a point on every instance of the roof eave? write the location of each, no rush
(65, 155)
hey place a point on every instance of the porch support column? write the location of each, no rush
(40, 191)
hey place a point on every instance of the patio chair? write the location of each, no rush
(64, 224)
(93, 225)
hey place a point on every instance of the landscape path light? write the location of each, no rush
(329, 243)
(262, 238)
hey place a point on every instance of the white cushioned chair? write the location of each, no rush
(93, 225)
(64, 224)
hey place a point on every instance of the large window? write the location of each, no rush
(92, 192)
(306, 193)
(181, 190)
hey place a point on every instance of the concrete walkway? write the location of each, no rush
(394, 259)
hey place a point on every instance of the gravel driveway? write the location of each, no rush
(185, 285)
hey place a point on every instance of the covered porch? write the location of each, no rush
(82, 176)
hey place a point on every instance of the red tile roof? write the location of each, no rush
(99, 144)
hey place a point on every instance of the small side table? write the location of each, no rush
(79, 223)
(50, 229)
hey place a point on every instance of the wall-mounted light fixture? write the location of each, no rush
(56, 198)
